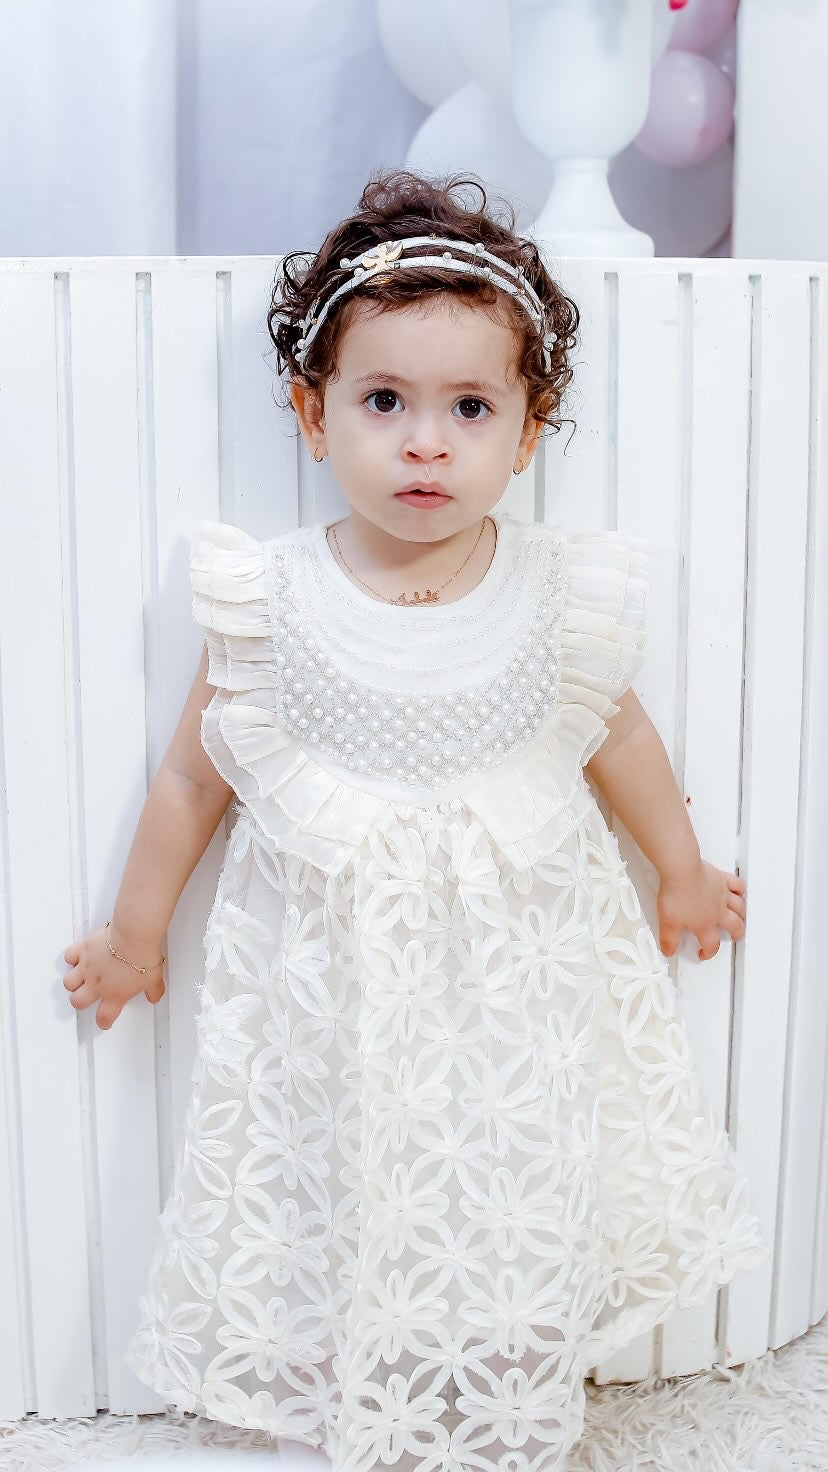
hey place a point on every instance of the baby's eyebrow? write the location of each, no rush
(480, 384)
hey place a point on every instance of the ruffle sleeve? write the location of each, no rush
(603, 628)
(304, 809)
(229, 589)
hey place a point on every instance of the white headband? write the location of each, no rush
(387, 256)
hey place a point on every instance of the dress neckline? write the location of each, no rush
(467, 602)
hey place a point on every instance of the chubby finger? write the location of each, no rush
(736, 883)
(107, 1013)
(82, 996)
(709, 947)
(668, 940)
(734, 924)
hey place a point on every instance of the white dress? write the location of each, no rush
(446, 1148)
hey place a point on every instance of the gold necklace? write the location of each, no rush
(430, 595)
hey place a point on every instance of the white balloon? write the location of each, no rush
(474, 132)
(481, 34)
(685, 210)
(663, 21)
(416, 41)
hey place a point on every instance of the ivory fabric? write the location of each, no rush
(447, 1148)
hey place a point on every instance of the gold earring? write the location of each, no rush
(519, 469)
(318, 458)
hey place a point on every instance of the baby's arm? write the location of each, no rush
(633, 771)
(183, 806)
(185, 801)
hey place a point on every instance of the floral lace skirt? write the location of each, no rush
(446, 1151)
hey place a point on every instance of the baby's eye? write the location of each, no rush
(381, 393)
(481, 403)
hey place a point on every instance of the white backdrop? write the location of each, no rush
(203, 127)
(162, 127)
(150, 127)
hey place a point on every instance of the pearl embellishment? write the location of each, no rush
(417, 739)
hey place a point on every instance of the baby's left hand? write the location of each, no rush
(705, 901)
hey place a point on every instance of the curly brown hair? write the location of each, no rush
(396, 203)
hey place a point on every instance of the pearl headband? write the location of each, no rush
(380, 260)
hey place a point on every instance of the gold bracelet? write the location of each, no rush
(131, 963)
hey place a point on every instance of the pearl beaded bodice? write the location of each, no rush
(418, 696)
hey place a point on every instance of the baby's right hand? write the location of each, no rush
(98, 976)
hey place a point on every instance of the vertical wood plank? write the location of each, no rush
(799, 1223)
(110, 482)
(261, 442)
(48, 1048)
(716, 396)
(815, 858)
(16, 1389)
(773, 703)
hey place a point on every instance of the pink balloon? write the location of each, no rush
(724, 52)
(700, 23)
(690, 112)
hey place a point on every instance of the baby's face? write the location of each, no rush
(424, 395)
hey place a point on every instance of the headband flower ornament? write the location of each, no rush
(378, 264)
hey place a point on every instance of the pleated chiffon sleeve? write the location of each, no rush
(604, 623)
(229, 593)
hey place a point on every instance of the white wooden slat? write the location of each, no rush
(48, 1052)
(13, 1398)
(110, 455)
(773, 702)
(815, 859)
(262, 443)
(15, 1392)
(648, 379)
(716, 400)
(647, 494)
(798, 1221)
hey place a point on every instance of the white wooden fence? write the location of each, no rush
(135, 397)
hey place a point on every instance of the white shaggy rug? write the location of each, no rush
(770, 1415)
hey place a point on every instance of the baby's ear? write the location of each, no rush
(308, 405)
(529, 437)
